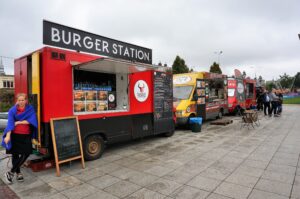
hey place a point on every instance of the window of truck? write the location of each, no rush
(99, 92)
(231, 92)
(182, 92)
(216, 89)
(249, 91)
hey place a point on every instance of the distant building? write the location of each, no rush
(6, 81)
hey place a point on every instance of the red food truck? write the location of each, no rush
(236, 95)
(241, 93)
(115, 100)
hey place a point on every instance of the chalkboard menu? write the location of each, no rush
(201, 96)
(163, 95)
(66, 140)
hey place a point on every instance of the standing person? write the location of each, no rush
(21, 128)
(274, 102)
(266, 101)
(280, 100)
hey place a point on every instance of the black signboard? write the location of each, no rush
(66, 37)
(66, 140)
(163, 101)
(201, 95)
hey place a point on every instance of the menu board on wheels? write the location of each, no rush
(200, 97)
(163, 101)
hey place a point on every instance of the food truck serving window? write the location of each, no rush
(99, 88)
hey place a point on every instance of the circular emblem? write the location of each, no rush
(111, 98)
(240, 88)
(141, 91)
(181, 80)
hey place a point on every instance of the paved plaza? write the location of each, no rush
(221, 162)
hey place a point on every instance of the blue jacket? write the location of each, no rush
(28, 115)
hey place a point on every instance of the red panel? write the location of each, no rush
(135, 105)
(57, 85)
(21, 85)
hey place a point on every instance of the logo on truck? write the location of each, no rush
(182, 80)
(141, 91)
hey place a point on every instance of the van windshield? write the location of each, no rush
(182, 92)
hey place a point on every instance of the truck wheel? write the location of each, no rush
(169, 134)
(220, 114)
(93, 147)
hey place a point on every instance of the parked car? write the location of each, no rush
(3, 120)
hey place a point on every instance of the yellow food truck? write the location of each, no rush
(199, 94)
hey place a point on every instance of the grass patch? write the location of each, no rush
(294, 100)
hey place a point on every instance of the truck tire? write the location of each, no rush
(93, 147)
(169, 134)
(220, 114)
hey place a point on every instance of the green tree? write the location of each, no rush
(179, 66)
(286, 81)
(215, 68)
(270, 85)
(297, 81)
(6, 99)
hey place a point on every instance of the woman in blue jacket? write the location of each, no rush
(21, 128)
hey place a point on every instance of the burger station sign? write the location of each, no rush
(71, 38)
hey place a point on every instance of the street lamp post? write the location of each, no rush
(219, 53)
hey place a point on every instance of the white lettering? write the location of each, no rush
(147, 56)
(140, 55)
(126, 52)
(105, 46)
(76, 39)
(120, 48)
(55, 35)
(88, 44)
(97, 44)
(132, 50)
(64, 37)
(115, 50)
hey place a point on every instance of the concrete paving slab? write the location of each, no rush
(104, 181)
(250, 171)
(241, 179)
(41, 191)
(281, 168)
(217, 196)
(164, 186)
(233, 190)
(215, 173)
(101, 194)
(258, 194)
(80, 191)
(89, 174)
(274, 187)
(146, 194)
(204, 183)
(296, 191)
(122, 189)
(180, 176)
(187, 192)
(63, 183)
(280, 177)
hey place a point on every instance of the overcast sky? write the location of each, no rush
(256, 36)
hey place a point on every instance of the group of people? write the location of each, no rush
(270, 102)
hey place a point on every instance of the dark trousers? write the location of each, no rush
(17, 161)
(274, 107)
(267, 106)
